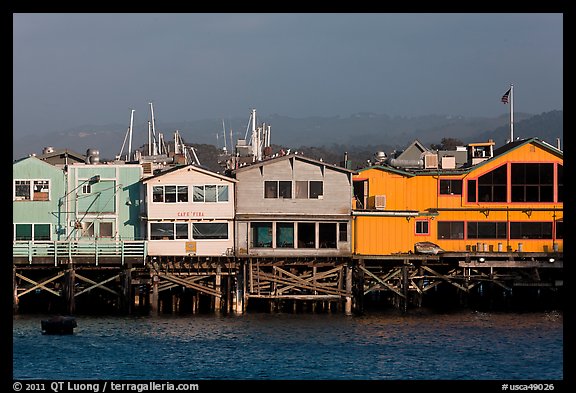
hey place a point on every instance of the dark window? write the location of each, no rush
(162, 231)
(492, 185)
(210, 230)
(306, 235)
(170, 194)
(471, 190)
(270, 189)
(422, 227)
(285, 234)
(343, 231)
(285, 189)
(316, 189)
(22, 189)
(327, 235)
(486, 230)
(450, 230)
(23, 232)
(261, 234)
(532, 182)
(559, 229)
(450, 187)
(530, 230)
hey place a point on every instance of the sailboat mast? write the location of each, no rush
(130, 138)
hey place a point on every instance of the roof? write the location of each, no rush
(521, 142)
(462, 170)
(268, 161)
(189, 166)
(60, 152)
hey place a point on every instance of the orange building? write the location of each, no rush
(505, 199)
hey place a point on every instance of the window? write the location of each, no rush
(87, 189)
(22, 190)
(35, 232)
(316, 189)
(285, 235)
(450, 230)
(532, 182)
(530, 230)
(471, 190)
(327, 235)
(422, 227)
(343, 231)
(210, 230)
(450, 187)
(306, 235)
(87, 229)
(168, 230)
(492, 185)
(106, 229)
(486, 230)
(559, 229)
(210, 193)
(301, 189)
(31, 190)
(261, 234)
(277, 189)
(170, 194)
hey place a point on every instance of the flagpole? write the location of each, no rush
(511, 113)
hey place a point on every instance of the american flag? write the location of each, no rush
(505, 96)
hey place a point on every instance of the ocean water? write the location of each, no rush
(383, 346)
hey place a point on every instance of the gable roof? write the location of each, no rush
(36, 159)
(189, 166)
(268, 161)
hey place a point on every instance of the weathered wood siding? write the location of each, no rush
(337, 188)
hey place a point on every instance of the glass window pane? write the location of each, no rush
(181, 231)
(209, 193)
(170, 194)
(327, 235)
(182, 193)
(285, 189)
(158, 194)
(306, 235)
(23, 231)
(343, 232)
(222, 193)
(301, 189)
(210, 230)
(261, 234)
(198, 192)
(471, 190)
(270, 189)
(285, 235)
(316, 189)
(22, 189)
(106, 229)
(162, 231)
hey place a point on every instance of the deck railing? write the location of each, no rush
(68, 250)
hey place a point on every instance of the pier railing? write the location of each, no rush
(69, 251)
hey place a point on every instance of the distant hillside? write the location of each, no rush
(360, 135)
(547, 126)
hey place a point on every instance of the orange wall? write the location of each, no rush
(380, 235)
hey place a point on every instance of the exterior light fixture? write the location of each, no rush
(481, 259)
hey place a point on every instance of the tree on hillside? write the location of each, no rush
(447, 144)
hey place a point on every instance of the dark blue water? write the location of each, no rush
(259, 346)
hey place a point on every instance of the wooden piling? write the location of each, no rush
(69, 290)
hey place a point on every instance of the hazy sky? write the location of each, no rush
(72, 69)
